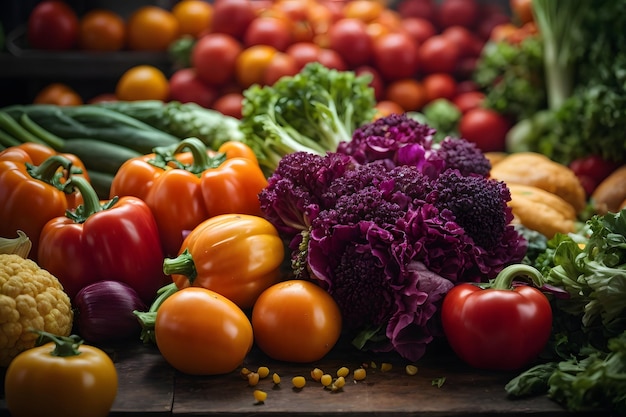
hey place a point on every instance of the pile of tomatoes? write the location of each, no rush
(416, 52)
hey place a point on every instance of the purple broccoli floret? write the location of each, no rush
(463, 155)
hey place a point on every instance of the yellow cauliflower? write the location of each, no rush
(30, 298)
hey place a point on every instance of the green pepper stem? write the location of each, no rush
(183, 264)
(504, 279)
(91, 203)
(147, 319)
(47, 171)
(201, 159)
(63, 346)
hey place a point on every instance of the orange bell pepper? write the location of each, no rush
(185, 188)
(32, 190)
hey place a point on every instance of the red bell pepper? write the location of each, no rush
(31, 194)
(500, 327)
(185, 188)
(113, 240)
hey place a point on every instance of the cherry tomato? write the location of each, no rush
(152, 28)
(468, 100)
(438, 54)
(270, 31)
(84, 384)
(303, 53)
(349, 38)
(214, 56)
(467, 42)
(418, 28)
(426, 9)
(439, 85)
(396, 56)
(386, 107)
(296, 321)
(232, 17)
(522, 10)
(251, 64)
(364, 10)
(102, 30)
(194, 16)
(408, 93)
(186, 87)
(229, 104)
(458, 12)
(59, 94)
(201, 332)
(52, 25)
(142, 82)
(376, 83)
(485, 127)
(331, 59)
(282, 64)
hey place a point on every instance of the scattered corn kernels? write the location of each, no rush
(263, 371)
(244, 373)
(359, 374)
(343, 371)
(298, 381)
(326, 380)
(253, 379)
(338, 384)
(411, 369)
(260, 396)
(316, 374)
(385, 366)
(276, 378)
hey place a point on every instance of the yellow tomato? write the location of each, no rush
(142, 82)
(152, 28)
(194, 16)
(251, 64)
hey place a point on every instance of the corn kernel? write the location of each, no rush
(244, 373)
(263, 371)
(260, 396)
(298, 381)
(373, 365)
(411, 370)
(359, 374)
(276, 378)
(343, 371)
(338, 383)
(385, 366)
(253, 379)
(326, 380)
(316, 374)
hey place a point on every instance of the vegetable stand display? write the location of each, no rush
(442, 386)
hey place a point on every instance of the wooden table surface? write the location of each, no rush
(148, 386)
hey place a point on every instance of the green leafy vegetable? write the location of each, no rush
(311, 111)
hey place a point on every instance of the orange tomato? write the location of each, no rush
(102, 30)
(59, 94)
(201, 332)
(409, 93)
(142, 82)
(251, 64)
(386, 107)
(365, 10)
(296, 321)
(152, 28)
(194, 16)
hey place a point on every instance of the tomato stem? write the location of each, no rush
(63, 346)
(504, 279)
(147, 319)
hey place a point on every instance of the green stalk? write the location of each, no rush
(147, 319)
(63, 346)
(13, 128)
(7, 140)
(50, 139)
(504, 279)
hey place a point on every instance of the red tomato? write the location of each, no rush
(439, 85)
(281, 64)
(426, 9)
(468, 43)
(486, 128)
(468, 100)
(229, 104)
(438, 54)
(488, 23)
(52, 25)
(458, 12)
(396, 56)
(303, 53)
(296, 321)
(214, 57)
(232, 17)
(522, 10)
(376, 83)
(349, 38)
(418, 28)
(331, 59)
(201, 332)
(186, 87)
(270, 31)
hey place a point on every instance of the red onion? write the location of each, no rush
(104, 312)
